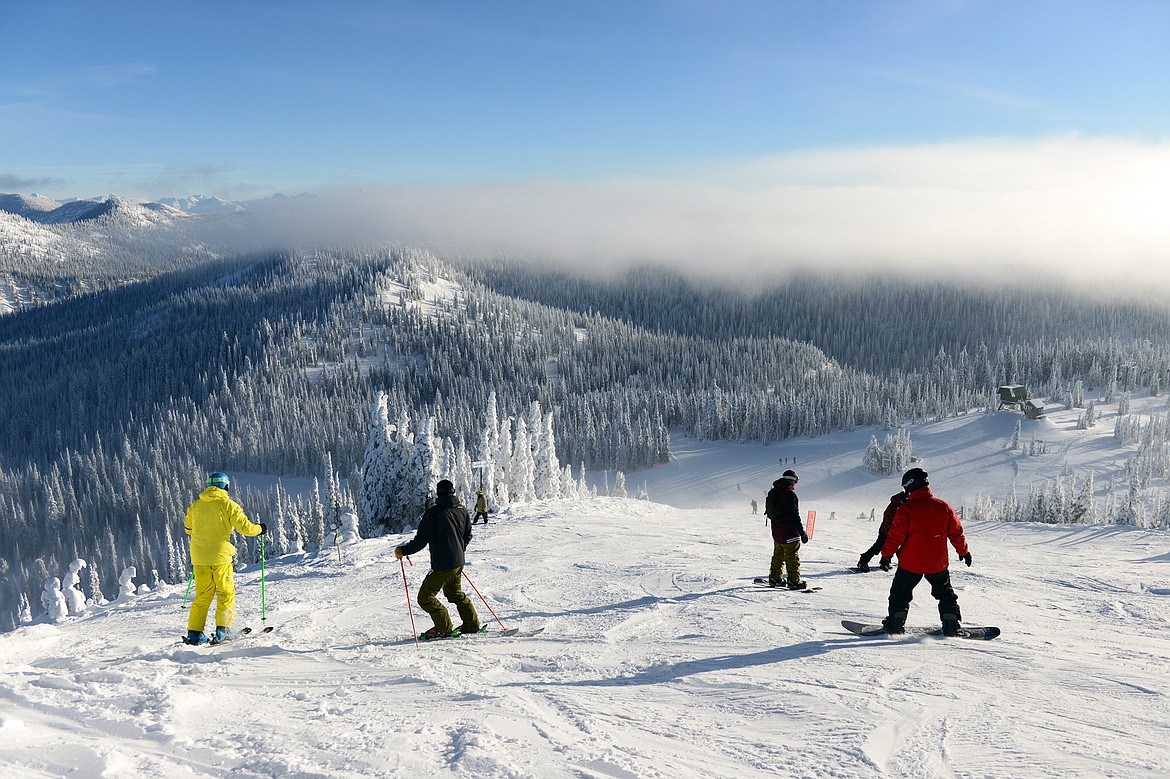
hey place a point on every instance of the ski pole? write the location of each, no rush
(190, 581)
(409, 610)
(477, 592)
(263, 602)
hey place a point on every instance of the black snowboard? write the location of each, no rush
(872, 631)
(760, 580)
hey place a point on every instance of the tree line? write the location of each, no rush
(119, 399)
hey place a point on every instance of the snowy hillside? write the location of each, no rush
(658, 657)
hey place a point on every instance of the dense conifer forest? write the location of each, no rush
(133, 371)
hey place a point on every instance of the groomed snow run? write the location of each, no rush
(658, 658)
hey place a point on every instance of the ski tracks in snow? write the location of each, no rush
(659, 658)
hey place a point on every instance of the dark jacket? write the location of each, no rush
(896, 501)
(920, 532)
(446, 528)
(783, 510)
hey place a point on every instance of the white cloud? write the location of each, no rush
(1068, 207)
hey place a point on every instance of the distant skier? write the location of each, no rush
(210, 522)
(783, 510)
(755, 507)
(919, 534)
(481, 507)
(446, 528)
(883, 531)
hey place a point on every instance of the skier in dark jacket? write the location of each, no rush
(446, 528)
(896, 500)
(783, 510)
(922, 526)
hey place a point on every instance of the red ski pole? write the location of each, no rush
(409, 610)
(477, 592)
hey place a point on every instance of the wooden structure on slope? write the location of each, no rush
(1016, 396)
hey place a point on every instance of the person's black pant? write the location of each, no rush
(868, 554)
(902, 592)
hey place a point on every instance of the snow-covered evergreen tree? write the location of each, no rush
(872, 461)
(425, 466)
(54, 601)
(126, 586)
(521, 469)
(74, 597)
(894, 456)
(96, 596)
(379, 467)
(547, 467)
(488, 450)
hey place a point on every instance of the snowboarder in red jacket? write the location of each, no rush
(783, 510)
(919, 534)
(883, 531)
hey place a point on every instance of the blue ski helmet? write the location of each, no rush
(220, 480)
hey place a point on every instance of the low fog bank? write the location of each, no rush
(1068, 210)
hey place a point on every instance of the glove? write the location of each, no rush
(967, 559)
(263, 529)
(804, 538)
(886, 563)
(398, 553)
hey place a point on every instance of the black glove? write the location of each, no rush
(263, 529)
(967, 559)
(886, 563)
(803, 537)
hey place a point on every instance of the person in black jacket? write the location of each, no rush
(446, 528)
(896, 500)
(783, 510)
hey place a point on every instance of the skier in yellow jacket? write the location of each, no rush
(210, 522)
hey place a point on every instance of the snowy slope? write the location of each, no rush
(658, 658)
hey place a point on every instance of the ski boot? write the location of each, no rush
(431, 634)
(895, 623)
(196, 638)
(776, 582)
(950, 625)
(223, 634)
(465, 629)
(800, 585)
(863, 564)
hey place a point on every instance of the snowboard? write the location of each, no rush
(878, 631)
(764, 581)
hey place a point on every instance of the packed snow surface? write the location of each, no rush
(657, 656)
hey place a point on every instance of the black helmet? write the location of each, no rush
(445, 487)
(914, 479)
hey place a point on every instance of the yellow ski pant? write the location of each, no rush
(213, 582)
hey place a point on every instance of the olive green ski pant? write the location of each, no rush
(450, 582)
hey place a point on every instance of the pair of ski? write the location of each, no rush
(244, 633)
(485, 632)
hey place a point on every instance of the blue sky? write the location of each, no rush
(244, 99)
